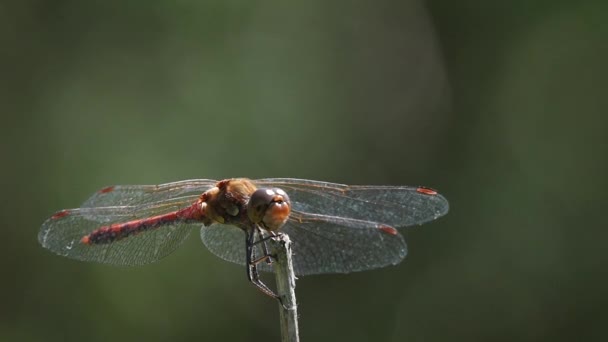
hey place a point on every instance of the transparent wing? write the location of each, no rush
(62, 234)
(228, 243)
(328, 244)
(398, 206)
(132, 195)
(321, 244)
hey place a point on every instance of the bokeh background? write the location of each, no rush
(499, 105)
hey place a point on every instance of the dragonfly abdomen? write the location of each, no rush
(118, 231)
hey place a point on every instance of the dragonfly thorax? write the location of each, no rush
(227, 202)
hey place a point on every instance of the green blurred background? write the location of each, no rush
(500, 106)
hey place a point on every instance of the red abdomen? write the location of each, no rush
(118, 231)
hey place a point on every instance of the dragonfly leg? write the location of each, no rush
(265, 255)
(263, 240)
(252, 269)
(266, 258)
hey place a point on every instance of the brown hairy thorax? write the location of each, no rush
(227, 202)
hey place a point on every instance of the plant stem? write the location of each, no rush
(286, 284)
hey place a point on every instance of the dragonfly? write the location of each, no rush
(334, 228)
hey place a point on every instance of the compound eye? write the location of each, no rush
(258, 203)
(269, 207)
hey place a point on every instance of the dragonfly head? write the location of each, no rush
(269, 207)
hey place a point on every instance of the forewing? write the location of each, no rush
(134, 195)
(398, 206)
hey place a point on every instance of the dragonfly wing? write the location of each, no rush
(225, 241)
(110, 214)
(62, 234)
(398, 206)
(131, 195)
(328, 244)
(228, 243)
(321, 244)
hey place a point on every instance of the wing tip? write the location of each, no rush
(60, 214)
(388, 229)
(107, 189)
